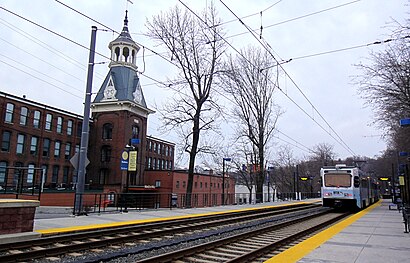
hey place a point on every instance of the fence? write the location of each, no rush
(124, 202)
(21, 181)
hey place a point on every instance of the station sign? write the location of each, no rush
(124, 160)
(132, 161)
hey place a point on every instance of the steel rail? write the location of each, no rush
(184, 253)
(45, 247)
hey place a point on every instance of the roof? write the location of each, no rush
(121, 84)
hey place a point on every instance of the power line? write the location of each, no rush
(254, 14)
(53, 32)
(72, 41)
(42, 60)
(296, 18)
(15, 61)
(239, 54)
(78, 12)
(41, 79)
(32, 38)
(340, 50)
(341, 142)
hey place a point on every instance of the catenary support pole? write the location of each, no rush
(85, 128)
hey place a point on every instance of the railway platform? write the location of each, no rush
(60, 220)
(375, 234)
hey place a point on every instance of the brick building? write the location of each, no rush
(39, 136)
(35, 135)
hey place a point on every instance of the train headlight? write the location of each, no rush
(328, 194)
(348, 195)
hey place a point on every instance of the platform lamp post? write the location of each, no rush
(223, 178)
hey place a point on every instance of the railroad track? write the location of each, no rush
(139, 235)
(254, 245)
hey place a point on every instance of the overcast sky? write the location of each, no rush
(52, 70)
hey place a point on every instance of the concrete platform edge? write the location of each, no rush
(13, 238)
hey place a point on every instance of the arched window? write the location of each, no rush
(135, 132)
(126, 54)
(117, 53)
(9, 113)
(107, 131)
(133, 56)
(105, 153)
(23, 115)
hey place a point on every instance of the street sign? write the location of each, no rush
(74, 161)
(405, 122)
(135, 141)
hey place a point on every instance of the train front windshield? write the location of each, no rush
(338, 180)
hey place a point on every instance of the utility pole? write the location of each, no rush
(85, 128)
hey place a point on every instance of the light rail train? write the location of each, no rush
(347, 187)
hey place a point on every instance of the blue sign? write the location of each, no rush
(124, 160)
(405, 122)
(403, 153)
(135, 141)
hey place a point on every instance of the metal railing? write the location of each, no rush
(124, 202)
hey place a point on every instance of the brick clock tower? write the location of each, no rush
(119, 116)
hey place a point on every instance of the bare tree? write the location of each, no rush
(285, 164)
(197, 51)
(250, 85)
(385, 83)
(323, 153)
(243, 160)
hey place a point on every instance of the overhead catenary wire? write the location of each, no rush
(72, 41)
(114, 31)
(295, 18)
(293, 101)
(341, 142)
(160, 82)
(28, 73)
(37, 71)
(246, 60)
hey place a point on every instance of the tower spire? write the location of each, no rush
(126, 20)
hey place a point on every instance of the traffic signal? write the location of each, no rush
(303, 178)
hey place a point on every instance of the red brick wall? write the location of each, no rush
(205, 195)
(59, 199)
(16, 219)
(122, 122)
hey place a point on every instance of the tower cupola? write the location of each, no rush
(123, 49)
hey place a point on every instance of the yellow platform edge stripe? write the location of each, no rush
(300, 250)
(54, 231)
